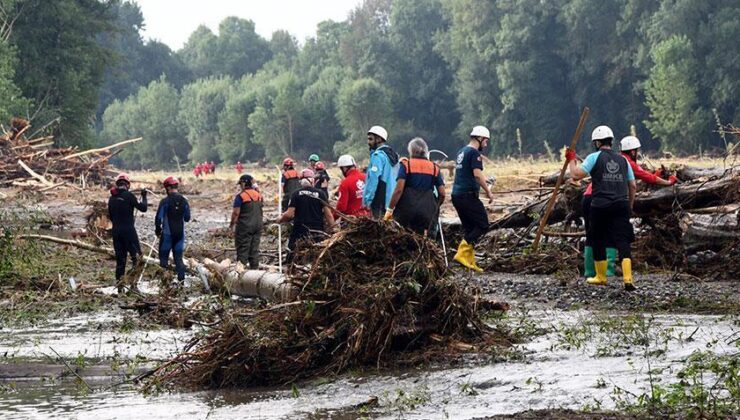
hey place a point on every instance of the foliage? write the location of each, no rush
(430, 68)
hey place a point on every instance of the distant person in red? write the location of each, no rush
(212, 167)
(239, 167)
(196, 170)
(351, 188)
(206, 168)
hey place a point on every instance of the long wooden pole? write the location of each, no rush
(102, 149)
(551, 202)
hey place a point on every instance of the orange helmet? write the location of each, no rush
(288, 162)
(320, 166)
(171, 181)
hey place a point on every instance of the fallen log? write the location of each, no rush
(709, 232)
(102, 149)
(34, 174)
(689, 173)
(685, 197)
(233, 278)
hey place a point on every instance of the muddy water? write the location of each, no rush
(550, 376)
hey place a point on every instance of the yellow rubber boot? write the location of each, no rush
(461, 251)
(600, 278)
(474, 265)
(627, 275)
(466, 256)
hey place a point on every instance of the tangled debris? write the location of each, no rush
(35, 163)
(373, 295)
(689, 228)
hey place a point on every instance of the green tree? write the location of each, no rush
(279, 116)
(236, 138)
(361, 104)
(150, 113)
(61, 62)
(676, 117)
(201, 102)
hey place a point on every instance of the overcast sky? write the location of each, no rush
(172, 21)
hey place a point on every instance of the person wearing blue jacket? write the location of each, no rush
(169, 225)
(381, 172)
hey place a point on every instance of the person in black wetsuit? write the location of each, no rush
(121, 205)
(169, 226)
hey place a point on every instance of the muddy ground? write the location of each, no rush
(584, 352)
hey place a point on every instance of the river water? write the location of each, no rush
(577, 363)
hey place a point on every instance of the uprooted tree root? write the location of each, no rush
(374, 295)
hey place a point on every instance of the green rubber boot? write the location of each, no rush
(611, 258)
(588, 262)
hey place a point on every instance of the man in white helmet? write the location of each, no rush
(613, 195)
(469, 180)
(351, 188)
(630, 147)
(381, 172)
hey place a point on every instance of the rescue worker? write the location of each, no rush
(630, 146)
(196, 170)
(289, 182)
(613, 195)
(310, 213)
(322, 178)
(212, 167)
(351, 188)
(312, 161)
(414, 204)
(239, 167)
(121, 205)
(169, 226)
(381, 174)
(246, 222)
(469, 180)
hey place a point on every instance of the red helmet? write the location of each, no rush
(320, 166)
(123, 177)
(171, 181)
(288, 162)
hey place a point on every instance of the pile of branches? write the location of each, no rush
(373, 295)
(36, 163)
(509, 252)
(692, 227)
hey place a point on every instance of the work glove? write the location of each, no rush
(672, 179)
(143, 193)
(388, 215)
(659, 172)
(570, 155)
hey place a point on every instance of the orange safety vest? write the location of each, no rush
(420, 166)
(250, 195)
(290, 174)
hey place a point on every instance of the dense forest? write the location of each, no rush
(668, 69)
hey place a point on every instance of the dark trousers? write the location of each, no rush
(299, 234)
(177, 246)
(611, 225)
(586, 210)
(125, 243)
(472, 214)
(248, 248)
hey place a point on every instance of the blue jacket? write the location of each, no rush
(381, 172)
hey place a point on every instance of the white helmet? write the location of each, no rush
(346, 160)
(630, 143)
(378, 131)
(480, 131)
(602, 132)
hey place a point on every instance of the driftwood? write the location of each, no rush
(34, 163)
(657, 202)
(231, 277)
(709, 232)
